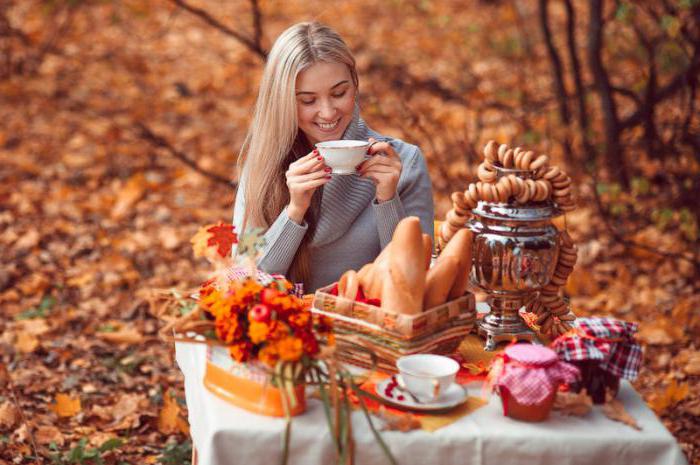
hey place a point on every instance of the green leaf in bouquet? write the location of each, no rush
(250, 242)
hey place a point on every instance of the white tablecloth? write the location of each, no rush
(224, 434)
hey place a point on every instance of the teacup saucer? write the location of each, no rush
(452, 397)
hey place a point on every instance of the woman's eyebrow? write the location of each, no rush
(334, 86)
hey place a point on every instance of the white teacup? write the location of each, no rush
(427, 376)
(342, 156)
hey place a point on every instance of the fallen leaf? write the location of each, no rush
(169, 420)
(673, 394)
(615, 410)
(66, 406)
(128, 195)
(47, 434)
(692, 367)
(9, 416)
(26, 342)
(122, 336)
(127, 411)
(571, 403)
(398, 421)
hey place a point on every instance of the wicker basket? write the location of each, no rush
(363, 330)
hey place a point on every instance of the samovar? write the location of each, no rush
(515, 250)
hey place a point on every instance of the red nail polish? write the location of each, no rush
(329, 176)
(327, 169)
(320, 157)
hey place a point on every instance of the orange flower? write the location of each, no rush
(290, 349)
(269, 355)
(300, 319)
(227, 328)
(278, 330)
(258, 331)
(240, 351)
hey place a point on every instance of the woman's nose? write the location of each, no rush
(327, 110)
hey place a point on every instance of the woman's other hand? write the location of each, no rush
(304, 176)
(384, 168)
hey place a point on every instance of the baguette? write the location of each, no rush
(348, 284)
(439, 281)
(428, 246)
(460, 248)
(404, 286)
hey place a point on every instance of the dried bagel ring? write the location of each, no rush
(567, 317)
(539, 162)
(559, 178)
(514, 186)
(493, 193)
(562, 192)
(490, 151)
(531, 187)
(458, 200)
(502, 193)
(540, 192)
(508, 159)
(455, 219)
(542, 318)
(486, 173)
(518, 159)
(502, 149)
(547, 325)
(480, 189)
(526, 160)
(524, 195)
(471, 196)
(552, 173)
(542, 189)
(561, 184)
(506, 187)
(559, 281)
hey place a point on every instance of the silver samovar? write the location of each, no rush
(515, 251)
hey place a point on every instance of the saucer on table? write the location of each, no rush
(452, 397)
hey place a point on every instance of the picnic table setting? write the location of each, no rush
(465, 350)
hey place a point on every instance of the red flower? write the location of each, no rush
(259, 312)
(309, 342)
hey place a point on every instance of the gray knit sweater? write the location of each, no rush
(352, 227)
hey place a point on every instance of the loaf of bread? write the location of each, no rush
(439, 281)
(404, 286)
(348, 285)
(459, 248)
(428, 246)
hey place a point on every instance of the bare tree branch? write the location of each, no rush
(257, 23)
(252, 44)
(159, 141)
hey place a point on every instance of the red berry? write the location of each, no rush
(260, 313)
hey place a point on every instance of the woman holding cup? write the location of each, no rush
(319, 225)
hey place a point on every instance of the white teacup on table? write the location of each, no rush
(342, 156)
(427, 376)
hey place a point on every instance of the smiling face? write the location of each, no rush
(325, 101)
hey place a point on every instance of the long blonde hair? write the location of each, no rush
(274, 140)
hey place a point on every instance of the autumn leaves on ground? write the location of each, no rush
(120, 124)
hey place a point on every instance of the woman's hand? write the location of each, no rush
(304, 176)
(384, 168)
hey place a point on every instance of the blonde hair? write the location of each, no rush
(274, 140)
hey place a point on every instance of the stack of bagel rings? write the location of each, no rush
(524, 178)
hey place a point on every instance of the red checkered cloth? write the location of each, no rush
(531, 373)
(240, 272)
(606, 339)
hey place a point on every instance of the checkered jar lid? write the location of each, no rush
(531, 372)
(609, 341)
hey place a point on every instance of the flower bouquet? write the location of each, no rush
(263, 344)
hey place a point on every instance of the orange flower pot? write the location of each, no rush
(249, 388)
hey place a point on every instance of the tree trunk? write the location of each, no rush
(614, 158)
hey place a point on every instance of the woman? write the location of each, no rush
(318, 225)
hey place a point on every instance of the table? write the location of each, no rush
(226, 435)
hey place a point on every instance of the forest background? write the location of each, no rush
(120, 124)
